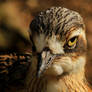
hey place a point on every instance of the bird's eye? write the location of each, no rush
(72, 42)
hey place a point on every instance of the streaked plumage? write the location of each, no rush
(13, 68)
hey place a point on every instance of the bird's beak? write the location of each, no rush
(45, 60)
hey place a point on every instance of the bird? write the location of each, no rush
(57, 62)
(59, 46)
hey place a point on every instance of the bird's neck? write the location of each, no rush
(74, 82)
(68, 83)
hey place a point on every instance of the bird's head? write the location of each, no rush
(59, 41)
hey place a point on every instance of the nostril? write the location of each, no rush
(49, 59)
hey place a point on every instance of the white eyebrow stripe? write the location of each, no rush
(77, 32)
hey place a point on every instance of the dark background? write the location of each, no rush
(16, 15)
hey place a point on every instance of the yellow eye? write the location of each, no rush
(72, 41)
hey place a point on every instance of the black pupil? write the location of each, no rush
(72, 40)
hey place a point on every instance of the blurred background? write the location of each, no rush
(16, 15)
